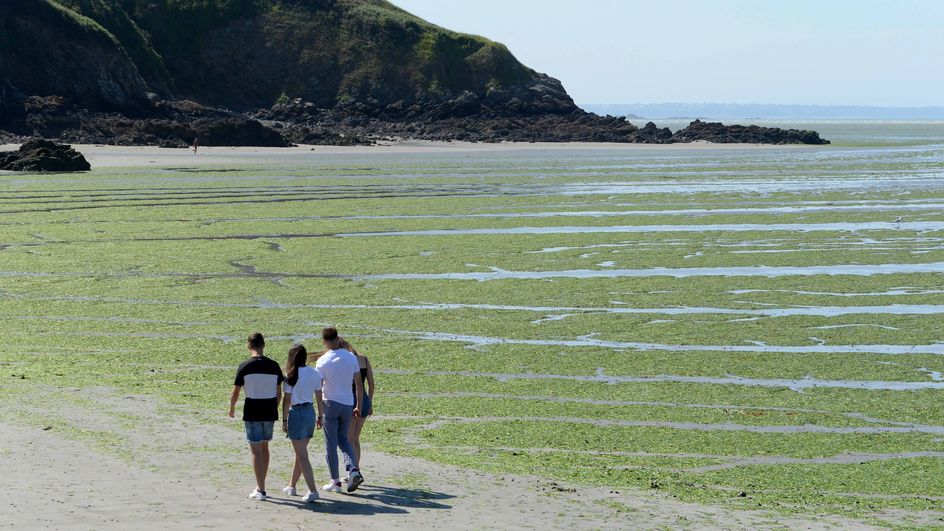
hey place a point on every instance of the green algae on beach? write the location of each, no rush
(783, 387)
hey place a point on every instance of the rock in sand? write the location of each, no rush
(39, 155)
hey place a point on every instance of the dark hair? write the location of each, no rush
(256, 341)
(343, 343)
(297, 358)
(329, 333)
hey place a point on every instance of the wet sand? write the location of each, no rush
(100, 156)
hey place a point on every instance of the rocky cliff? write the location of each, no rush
(47, 49)
(320, 71)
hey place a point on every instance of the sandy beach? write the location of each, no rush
(155, 478)
(100, 156)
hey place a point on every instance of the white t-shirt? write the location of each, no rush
(338, 368)
(309, 381)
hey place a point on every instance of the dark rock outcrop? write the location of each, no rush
(466, 118)
(235, 131)
(740, 134)
(159, 123)
(651, 134)
(487, 122)
(39, 155)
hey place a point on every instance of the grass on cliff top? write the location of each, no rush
(87, 24)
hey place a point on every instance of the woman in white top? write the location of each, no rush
(301, 388)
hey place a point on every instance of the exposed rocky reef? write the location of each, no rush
(480, 120)
(718, 133)
(40, 155)
(166, 124)
(179, 123)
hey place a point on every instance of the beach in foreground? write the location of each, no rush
(684, 336)
(162, 477)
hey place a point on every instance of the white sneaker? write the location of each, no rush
(346, 479)
(290, 490)
(356, 479)
(311, 497)
(331, 486)
(258, 495)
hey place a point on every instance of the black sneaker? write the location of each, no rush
(356, 479)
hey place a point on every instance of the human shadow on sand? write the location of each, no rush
(335, 506)
(414, 498)
(388, 501)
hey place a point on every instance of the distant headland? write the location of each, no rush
(276, 72)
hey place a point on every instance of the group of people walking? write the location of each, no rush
(340, 386)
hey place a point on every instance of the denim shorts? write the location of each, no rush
(257, 432)
(367, 405)
(301, 422)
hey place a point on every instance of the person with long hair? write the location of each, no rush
(340, 370)
(357, 424)
(302, 389)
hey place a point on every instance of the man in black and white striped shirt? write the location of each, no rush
(261, 378)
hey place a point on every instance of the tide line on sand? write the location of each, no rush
(724, 227)
(798, 384)
(501, 274)
(819, 311)
(932, 349)
(675, 272)
(695, 426)
(588, 341)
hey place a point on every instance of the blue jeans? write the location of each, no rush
(337, 422)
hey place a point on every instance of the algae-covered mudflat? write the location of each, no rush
(744, 327)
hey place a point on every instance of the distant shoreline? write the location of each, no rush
(764, 112)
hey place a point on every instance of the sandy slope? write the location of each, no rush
(168, 467)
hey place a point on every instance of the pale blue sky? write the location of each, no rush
(828, 52)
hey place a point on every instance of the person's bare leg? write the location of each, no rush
(354, 434)
(296, 472)
(260, 463)
(265, 462)
(302, 460)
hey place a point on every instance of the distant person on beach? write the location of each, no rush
(367, 401)
(302, 389)
(340, 371)
(261, 378)
(195, 145)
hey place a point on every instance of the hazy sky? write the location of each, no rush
(830, 52)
